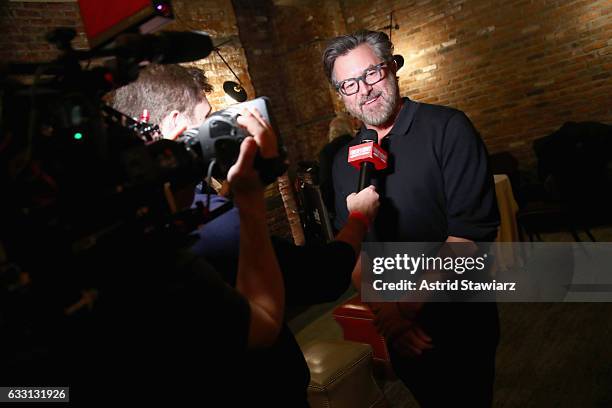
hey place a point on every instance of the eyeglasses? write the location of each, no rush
(370, 76)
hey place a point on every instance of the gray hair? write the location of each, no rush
(378, 41)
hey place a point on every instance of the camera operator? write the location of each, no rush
(275, 375)
(162, 317)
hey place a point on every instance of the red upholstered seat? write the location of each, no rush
(356, 320)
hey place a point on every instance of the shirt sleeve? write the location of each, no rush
(315, 273)
(468, 185)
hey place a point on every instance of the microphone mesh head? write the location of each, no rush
(369, 135)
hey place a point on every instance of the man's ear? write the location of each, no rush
(170, 123)
(173, 117)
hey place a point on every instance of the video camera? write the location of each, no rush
(217, 141)
(83, 189)
(90, 158)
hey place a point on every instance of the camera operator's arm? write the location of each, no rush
(320, 272)
(259, 277)
(304, 268)
(363, 207)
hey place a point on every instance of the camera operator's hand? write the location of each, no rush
(242, 176)
(366, 202)
(257, 126)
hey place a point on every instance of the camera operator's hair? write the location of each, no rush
(161, 89)
(378, 41)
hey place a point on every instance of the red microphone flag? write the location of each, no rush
(367, 152)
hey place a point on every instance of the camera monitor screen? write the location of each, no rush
(104, 20)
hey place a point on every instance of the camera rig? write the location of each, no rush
(84, 184)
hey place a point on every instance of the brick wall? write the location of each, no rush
(23, 26)
(519, 69)
(217, 18)
(284, 42)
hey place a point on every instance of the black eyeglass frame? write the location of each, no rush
(377, 67)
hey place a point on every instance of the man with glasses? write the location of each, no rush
(437, 188)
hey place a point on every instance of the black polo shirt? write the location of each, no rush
(437, 182)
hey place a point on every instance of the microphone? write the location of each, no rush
(367, 156)
(169, 47)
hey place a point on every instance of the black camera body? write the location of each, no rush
(217, 141)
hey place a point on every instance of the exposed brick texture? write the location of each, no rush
(518, 68)
(23, 26)
(216, 18)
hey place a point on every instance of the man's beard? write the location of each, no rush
(389, 97)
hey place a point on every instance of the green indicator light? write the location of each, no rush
(78, 136)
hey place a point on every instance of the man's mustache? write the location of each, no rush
(369, 98)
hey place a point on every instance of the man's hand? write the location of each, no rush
(388, 320)
(396, 321)
(366, 202)
(413, 342)
(257, 126)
